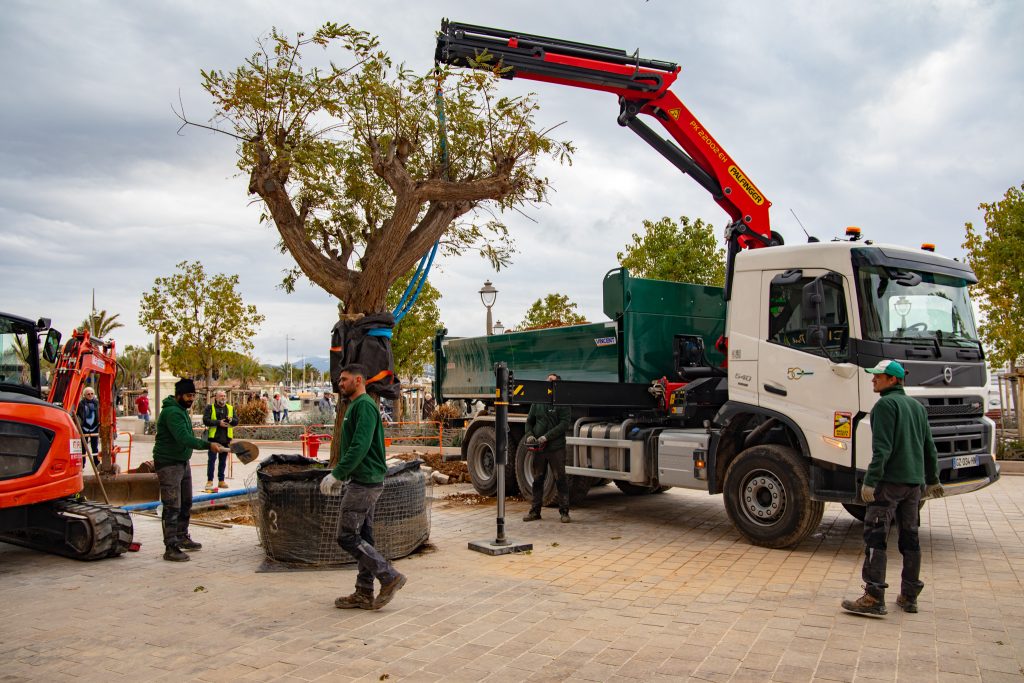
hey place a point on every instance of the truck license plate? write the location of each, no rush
(964, 461)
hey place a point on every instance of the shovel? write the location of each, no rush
(245, 451)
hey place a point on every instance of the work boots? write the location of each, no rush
(531, 516)
(174, 554)
(866, 604)
(222, 484)
(361, 599)
(907, 603)
(565, 517)
(388, 590)
(189, 544)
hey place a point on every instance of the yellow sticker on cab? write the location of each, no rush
(842, 425)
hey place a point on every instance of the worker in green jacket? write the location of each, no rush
(364, 464)
(546, 425)
(172, 455)
(903, 463)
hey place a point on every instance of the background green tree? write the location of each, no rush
(680, 252)
(135, 363)
(346, 159)
(243, 368)
(996, 255)
(554, 310)
(100, 324)
(412, 343)
(200, 318)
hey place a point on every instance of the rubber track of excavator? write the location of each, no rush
(111, 531)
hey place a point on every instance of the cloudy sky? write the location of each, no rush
(899, 117)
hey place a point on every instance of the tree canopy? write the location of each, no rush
(996, 254)
(136, 363)
(346, 158)
(200, 318)
(554, 310)
(680, 252)
(412, 344)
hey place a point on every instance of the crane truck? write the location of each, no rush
(756, 390)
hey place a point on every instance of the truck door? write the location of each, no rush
(805, 379)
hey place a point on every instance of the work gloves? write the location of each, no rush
(867, 493)
(329, 486)
(531, 440)
(934, 491)
(542, 441)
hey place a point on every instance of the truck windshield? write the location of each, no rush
(15, 368)
(911, 306)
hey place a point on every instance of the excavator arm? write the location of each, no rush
(642, 86)
(82, 357)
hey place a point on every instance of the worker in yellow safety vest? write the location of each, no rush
(220, 418)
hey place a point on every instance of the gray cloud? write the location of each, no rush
(899, 118)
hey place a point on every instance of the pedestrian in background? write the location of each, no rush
(142, 405)
(363, 464)
(89, 416)
(276, 406)
(220, 419)
(546, 425)
(172, 453)
(903, 464)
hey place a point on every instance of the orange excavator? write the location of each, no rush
(41, 450)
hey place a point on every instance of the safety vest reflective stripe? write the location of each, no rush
(213, 415)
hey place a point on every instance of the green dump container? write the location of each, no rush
(636, 345)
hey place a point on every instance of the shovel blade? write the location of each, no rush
(245, 451)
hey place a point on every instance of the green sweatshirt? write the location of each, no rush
(362, 444)
(174, 438)
(550, 421)
(901, 442)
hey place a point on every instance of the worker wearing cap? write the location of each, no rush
(903, 462)
(546, 426)
(172, 455)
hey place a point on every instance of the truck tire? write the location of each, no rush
(524, 476)
(856, 511)
(768, 497)
(480, 457)
(631, 489)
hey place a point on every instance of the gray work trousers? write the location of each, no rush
(176, 498)
(355, 534)
(898, 503)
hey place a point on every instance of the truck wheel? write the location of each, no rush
(856, 511)
(524, 476)
(631, 489)
(768, 499)
(480, 461)
(578, 489)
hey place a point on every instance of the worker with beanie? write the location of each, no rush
(904, 464)
(172, 455)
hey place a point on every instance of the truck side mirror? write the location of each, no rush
(51, 346)
(812, 301)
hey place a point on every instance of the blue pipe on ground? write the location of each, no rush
(196, 499)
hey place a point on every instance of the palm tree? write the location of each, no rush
(100, 324)
(136, 363)
(244, 369)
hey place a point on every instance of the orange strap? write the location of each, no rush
(379, 376)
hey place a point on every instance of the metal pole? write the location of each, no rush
(500, 439)
(490, 327)
(156, 377)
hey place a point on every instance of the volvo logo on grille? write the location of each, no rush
(947, 374)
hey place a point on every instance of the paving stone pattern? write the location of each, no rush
(650, 588)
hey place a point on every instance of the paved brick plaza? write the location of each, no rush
(652, 588)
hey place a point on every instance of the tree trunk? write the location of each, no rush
(339, 417)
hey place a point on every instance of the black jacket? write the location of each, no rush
(89, 414)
